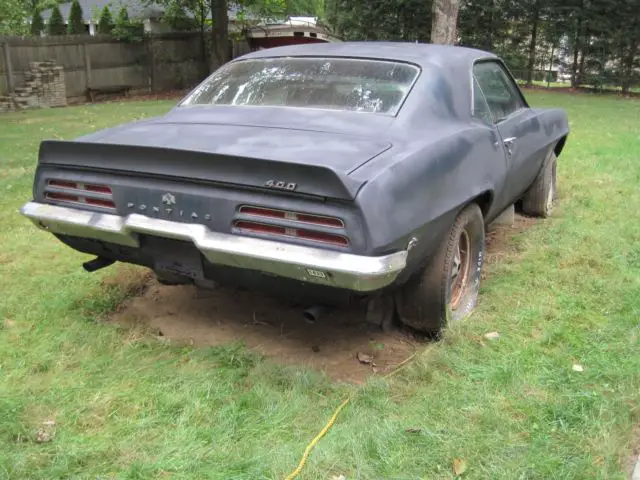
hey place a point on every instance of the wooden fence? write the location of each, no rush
(157, 63)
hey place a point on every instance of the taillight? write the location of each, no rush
(305, 234)
(65, 191)
(319, 220)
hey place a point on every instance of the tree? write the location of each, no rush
(37, 24)
(123, 17)
(445, 20)
(76, 22)
(535, 21)
(408, 20)
(220, 33)
(198, 13)
(13, 14)
(175, 16)
(105, 24)
(127, 30)
(56, 24)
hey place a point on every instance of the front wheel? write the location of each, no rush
(447, 289)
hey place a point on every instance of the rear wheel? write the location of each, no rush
(447, 289)
(538, 201)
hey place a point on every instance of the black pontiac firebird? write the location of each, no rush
(326, 172)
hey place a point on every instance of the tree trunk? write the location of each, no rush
(532, 44)
(445, 20)
(553, 49)
(203, 38)
(580, 75)
(220, 48)
(575, 81)
(627, 70)
(491, 25)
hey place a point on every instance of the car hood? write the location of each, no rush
(340, 152)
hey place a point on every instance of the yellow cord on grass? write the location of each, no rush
(332, 420)
(322, 433)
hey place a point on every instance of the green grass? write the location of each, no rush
(127, 406)
(586, 87)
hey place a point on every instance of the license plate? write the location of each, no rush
(177, 257)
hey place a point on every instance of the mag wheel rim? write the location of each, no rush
(551, 196)
(460, 269)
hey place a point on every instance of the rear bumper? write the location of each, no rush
(313, 265)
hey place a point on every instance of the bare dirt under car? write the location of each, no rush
(327, 173)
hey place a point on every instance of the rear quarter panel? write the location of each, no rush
(538, 133)
(418, 188)
(555, 124)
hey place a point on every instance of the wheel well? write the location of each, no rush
(559, 146)
(484, 201)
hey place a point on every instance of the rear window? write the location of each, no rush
(329, 83)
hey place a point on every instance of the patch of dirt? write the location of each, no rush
(269, 325)
(500, 244)
(634, 460)
(273, 327)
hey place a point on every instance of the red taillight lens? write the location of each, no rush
(65, 191)
(63, 184)
(98, 188)
(324, 221)
(100, 203)
(323, 237)
(261, 228)
(304, 234)
(263, 212)
(62, 197)
(294, 216)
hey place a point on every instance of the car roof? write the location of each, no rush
(418, 53)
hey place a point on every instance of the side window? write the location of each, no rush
(499, 90)
(480, 108)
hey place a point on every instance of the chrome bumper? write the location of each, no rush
(307, 264)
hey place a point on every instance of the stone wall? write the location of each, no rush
(44, 87)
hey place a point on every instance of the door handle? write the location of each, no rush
(508, 143)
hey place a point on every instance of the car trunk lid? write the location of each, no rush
(341, 152)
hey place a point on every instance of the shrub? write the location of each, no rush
(75, 20)
(105, 24)
(37, 24)
(56, 23)
(127, 30)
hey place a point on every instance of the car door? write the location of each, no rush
(518, 127)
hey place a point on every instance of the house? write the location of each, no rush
(294, 30)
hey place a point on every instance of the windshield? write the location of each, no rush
(329, 83)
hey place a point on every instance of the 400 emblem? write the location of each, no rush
(281, 185)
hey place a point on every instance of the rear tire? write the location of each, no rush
(446, 291)
(539, 199)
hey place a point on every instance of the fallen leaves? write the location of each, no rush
(459, 466)
(46, 432)
(364, 358)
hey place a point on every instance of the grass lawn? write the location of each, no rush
(127, 406)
